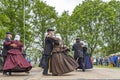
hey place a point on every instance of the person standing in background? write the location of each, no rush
(97, 61)
(115, 58)
(101, 61)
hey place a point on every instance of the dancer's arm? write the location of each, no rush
(7, 42)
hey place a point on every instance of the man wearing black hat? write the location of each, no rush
(78, 53)
(6, 47)
(49, 43)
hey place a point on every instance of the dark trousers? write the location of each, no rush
(4, 59)
(81, 63)
(45, 71)
(1, 63)
(4, 71)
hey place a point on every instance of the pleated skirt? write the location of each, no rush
(61, 63)
(15, 62)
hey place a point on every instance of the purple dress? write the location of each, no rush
(15, 61)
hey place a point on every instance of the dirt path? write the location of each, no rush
(95, 73)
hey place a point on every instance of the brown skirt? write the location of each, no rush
(61, 63)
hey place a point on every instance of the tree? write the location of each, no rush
(65, 27)
(87, 17)
(111, 30)
(43, 17)
(12, 18)
(4, 20)
(98, 24)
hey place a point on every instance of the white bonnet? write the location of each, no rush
(58, 36)
(17, 37)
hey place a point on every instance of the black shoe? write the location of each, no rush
(45, 74)
(83, 70)
(10, 73)
(27, 72)
(5, 73)
(54, 74)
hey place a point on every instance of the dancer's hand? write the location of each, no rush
(13, 45)
(83, 45)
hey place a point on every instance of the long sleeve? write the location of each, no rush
(7, 42)
(52, 38)
(18, 44)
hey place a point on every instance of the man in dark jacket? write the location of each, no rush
(6, 47)
(49, 43)
(78, 54)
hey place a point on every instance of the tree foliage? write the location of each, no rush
(12, 20)
(99, 24)
(43, 17)
(94, 21)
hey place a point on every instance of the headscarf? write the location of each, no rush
(17, 37)
(58, 36)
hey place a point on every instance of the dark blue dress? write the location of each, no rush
(88, 62)
(87, 59)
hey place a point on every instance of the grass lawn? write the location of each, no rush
(99, 66)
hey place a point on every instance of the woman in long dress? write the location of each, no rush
(61, 62)
(87, 59)
(15, 61)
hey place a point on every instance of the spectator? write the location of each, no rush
(106, 60)
(115, 58)
(111, 61)
(97, 61)
(101, 61)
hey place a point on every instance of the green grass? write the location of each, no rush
(36, 65)
(99, 66)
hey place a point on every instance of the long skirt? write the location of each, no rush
(88, 62)
(61, 63)
(15, 62)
